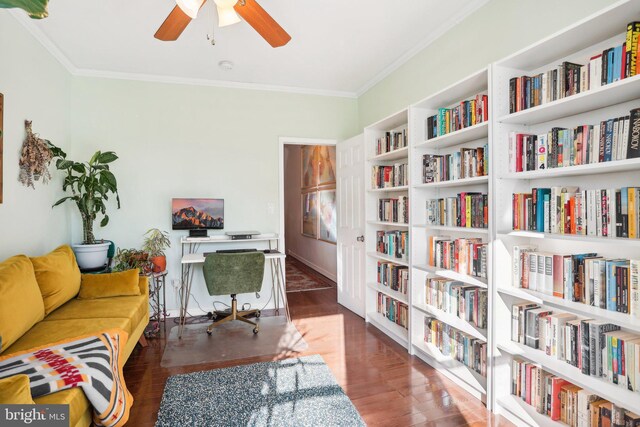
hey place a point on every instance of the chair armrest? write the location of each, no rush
(143, 283)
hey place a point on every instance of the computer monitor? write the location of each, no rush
(197, 214)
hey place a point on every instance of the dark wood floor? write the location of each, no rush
(387, 386)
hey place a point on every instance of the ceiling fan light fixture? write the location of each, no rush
(190, 7)
(226, 14)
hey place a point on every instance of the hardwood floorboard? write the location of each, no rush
(387, 385)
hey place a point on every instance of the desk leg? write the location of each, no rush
(185, 293)
(282, 287)
(275, 284)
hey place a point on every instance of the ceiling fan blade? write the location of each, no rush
(173, 26)
(262, 22)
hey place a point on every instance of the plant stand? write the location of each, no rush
(157, 300)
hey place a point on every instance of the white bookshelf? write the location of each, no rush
(395, 122)
(576, 43)
(470, 137)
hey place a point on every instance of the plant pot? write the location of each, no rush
(91, 256)
(159, 263)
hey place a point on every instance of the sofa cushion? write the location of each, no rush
(79, 405)
(15, 390)
(133, 307)
(21, 304)
(58, 276)
(54, 331)
(123, 283)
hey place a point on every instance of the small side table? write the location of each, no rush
(157, 300)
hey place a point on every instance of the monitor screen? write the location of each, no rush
(193, 214)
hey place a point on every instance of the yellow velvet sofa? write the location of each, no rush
(46, 300)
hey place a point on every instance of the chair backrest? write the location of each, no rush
(233, 273)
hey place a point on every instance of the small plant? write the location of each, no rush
(156, 242)
(129, 259)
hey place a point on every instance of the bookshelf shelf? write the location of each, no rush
(458, 369)
(453, 275)
(397, 332)
(612, 392)
(452, 320)
(591, 169)
(621, 319)
(526, 413)
(388, 291)
(454, 229)
(400, 153)
(572, 237)
(455, 182)
(383, 257)
(456, 138)
(604, 96)
(388, 189)
(388, 224)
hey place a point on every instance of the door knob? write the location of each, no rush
(360, 238)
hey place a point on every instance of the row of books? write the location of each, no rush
(468, 113)
(464, 301)
(393, 276)
(453, 343)
(597, 348)
(394, 210)
(394, 310)
(390, 176)
(394, 243)
(610, 284)
(469, 210)
(466, 163)
(606, 67)
(392, 141)
(465, 256)
(567, 210)
(563, 401)
(613, 139)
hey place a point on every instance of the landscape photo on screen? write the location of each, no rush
(189, 214)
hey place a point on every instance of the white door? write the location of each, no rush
(350, 206)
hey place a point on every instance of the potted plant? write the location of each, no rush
(90, 184)
(155, 243)
(129, 259)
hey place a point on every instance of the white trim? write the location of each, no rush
(290, 140)
(439, 32)
(317, 268)
(206, 82)
(42, 38)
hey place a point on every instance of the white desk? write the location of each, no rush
(192, 257)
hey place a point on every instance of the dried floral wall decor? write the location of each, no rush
(34, 158)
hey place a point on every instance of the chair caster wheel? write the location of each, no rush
(256, 330)
(257, 314)
(209, 332)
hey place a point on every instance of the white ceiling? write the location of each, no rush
(337, 46)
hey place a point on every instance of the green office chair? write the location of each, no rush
(232, 274)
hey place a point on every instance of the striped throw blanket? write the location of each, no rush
(93, 363)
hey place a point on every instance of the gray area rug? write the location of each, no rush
(291, 392)
(231, 341)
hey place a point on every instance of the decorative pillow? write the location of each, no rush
(120, 284)
(15, 390)
(21, 304)
(58, 276)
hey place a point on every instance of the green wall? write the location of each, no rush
(494, 31)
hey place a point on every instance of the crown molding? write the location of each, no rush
(440, 31)
(153, 78)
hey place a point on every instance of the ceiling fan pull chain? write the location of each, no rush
(211, 37)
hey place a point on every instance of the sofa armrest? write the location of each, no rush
(143, 283)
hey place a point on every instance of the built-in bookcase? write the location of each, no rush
(576, 44)
(424, 142)
(396, 124)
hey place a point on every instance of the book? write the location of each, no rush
(633, 146)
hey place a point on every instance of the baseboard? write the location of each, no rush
(309, 264)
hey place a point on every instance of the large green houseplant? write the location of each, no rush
(37, 9)
(90, 184)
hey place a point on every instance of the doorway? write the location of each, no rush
(308, 212)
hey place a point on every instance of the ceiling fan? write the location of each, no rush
(228, 11)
